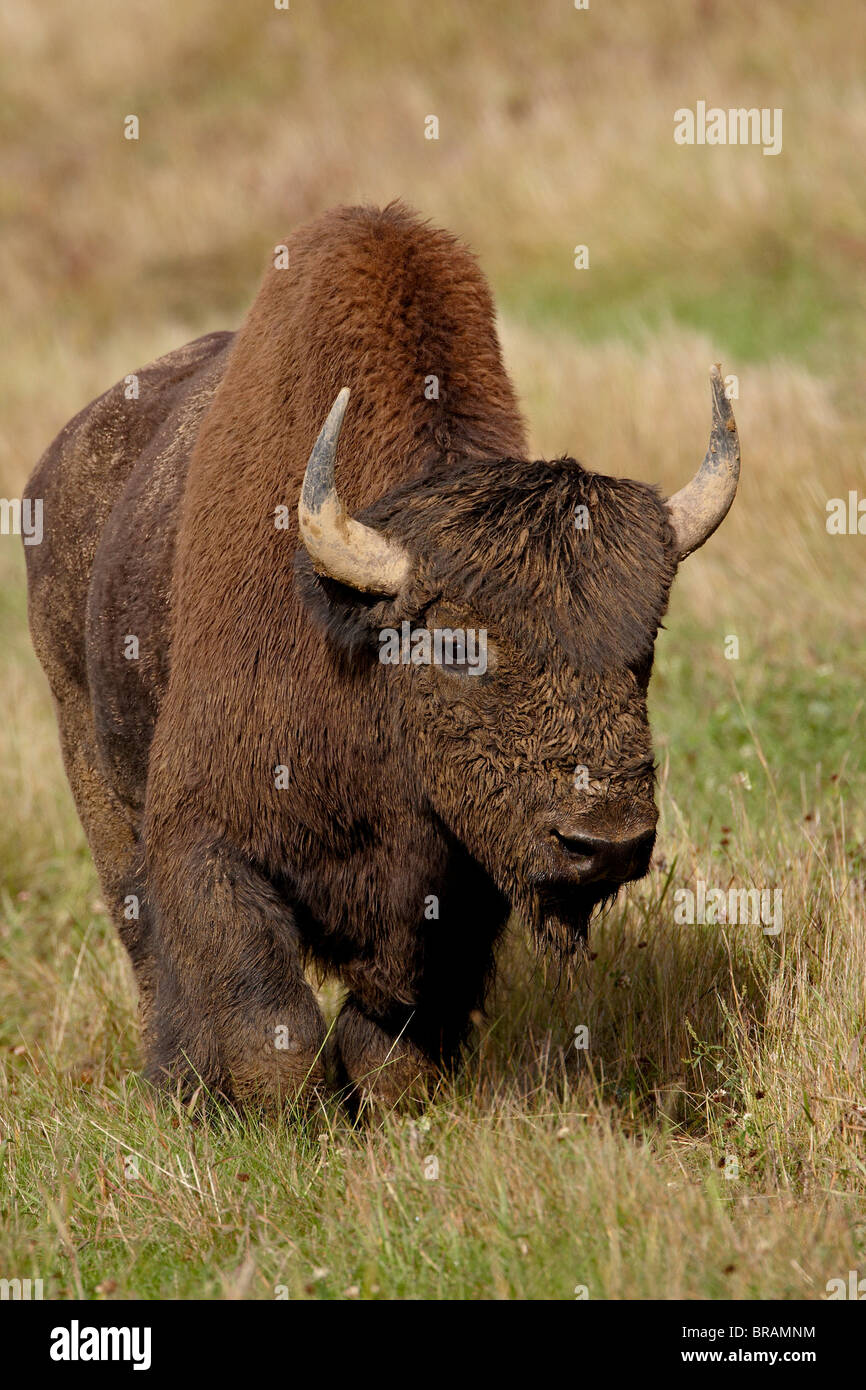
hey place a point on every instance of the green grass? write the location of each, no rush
(758, 302)
(796, 711)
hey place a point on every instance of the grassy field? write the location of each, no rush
(711, 1142)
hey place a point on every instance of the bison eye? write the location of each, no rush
(462, 670)
(458, 644)
(469, 657)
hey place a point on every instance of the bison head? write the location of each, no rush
(534, 749)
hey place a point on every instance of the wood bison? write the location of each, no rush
(260, 791)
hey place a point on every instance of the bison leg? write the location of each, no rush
(108, 825)
(389, 1051)
(232, 1008)
(379, 1060)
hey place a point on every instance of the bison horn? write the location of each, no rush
(339, 546)
(697, 509)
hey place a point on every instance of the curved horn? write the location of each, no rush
(339, 546)
(698, 508)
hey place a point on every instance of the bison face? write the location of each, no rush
(541, 764)
(535, 748)
(530, 742)
(516, 660)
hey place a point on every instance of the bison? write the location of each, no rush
(259, 789)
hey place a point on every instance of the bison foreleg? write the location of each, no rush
(379, 1059)
(390, 1050)
(232, 1008)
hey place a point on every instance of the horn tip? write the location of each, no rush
(338, 409)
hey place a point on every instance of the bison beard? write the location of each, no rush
(559, 917)
(257, 783)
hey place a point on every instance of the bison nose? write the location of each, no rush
(597, 858)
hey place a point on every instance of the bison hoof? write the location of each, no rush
(382, 1071)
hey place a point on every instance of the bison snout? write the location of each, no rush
(595, 858)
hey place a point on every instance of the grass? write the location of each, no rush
(752, 306)
(712, 1050)
(551, 1169)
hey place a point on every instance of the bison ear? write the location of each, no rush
(702, 505)
(340, 547)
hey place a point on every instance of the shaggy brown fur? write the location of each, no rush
(406, 783)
